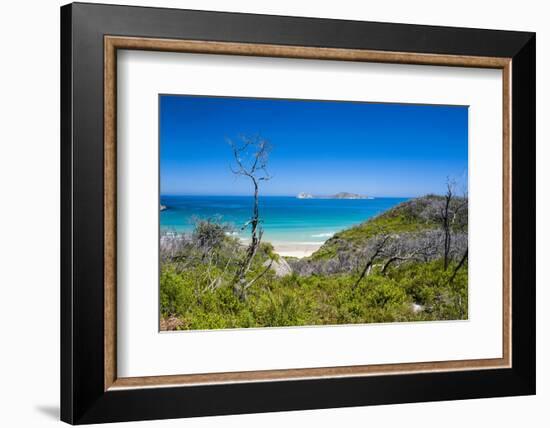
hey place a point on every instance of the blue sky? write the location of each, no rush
(319, 147)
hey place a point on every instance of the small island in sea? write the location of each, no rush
(340, 195)
(347, 195)
(242, 245)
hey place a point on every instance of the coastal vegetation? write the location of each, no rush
(407, 264)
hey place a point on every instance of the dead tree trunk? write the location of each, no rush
(448, 214)
(255, 168)
(377, 250)
(394, 259)
(447, 226)
(460, 264)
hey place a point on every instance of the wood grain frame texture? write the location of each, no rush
(113, 43)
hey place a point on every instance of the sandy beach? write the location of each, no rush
(296, 249)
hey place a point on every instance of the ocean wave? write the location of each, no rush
(323, 235)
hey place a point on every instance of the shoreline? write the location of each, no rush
(281, 248)
(295, 249)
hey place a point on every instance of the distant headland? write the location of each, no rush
(341, 195)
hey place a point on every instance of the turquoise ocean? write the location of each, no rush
(286, 219)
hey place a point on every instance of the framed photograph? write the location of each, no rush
(265, 213)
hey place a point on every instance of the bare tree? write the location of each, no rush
(448, 215)
(373, 252)
(446, 224)
(398, 258)
(251, 156)
(460, 264)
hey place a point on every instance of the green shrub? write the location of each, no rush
(313, 300)
(176, 292)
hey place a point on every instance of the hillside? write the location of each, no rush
(412, 231)
(414, 215)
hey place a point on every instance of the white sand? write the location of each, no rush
(296, 249)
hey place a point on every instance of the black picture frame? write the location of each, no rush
(83, 398)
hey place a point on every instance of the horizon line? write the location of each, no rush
(295, 195)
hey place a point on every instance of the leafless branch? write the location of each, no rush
(251, 156)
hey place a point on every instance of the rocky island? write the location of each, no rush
(341, 195)
(347, 195)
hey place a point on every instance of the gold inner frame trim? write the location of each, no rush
(113, 43)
